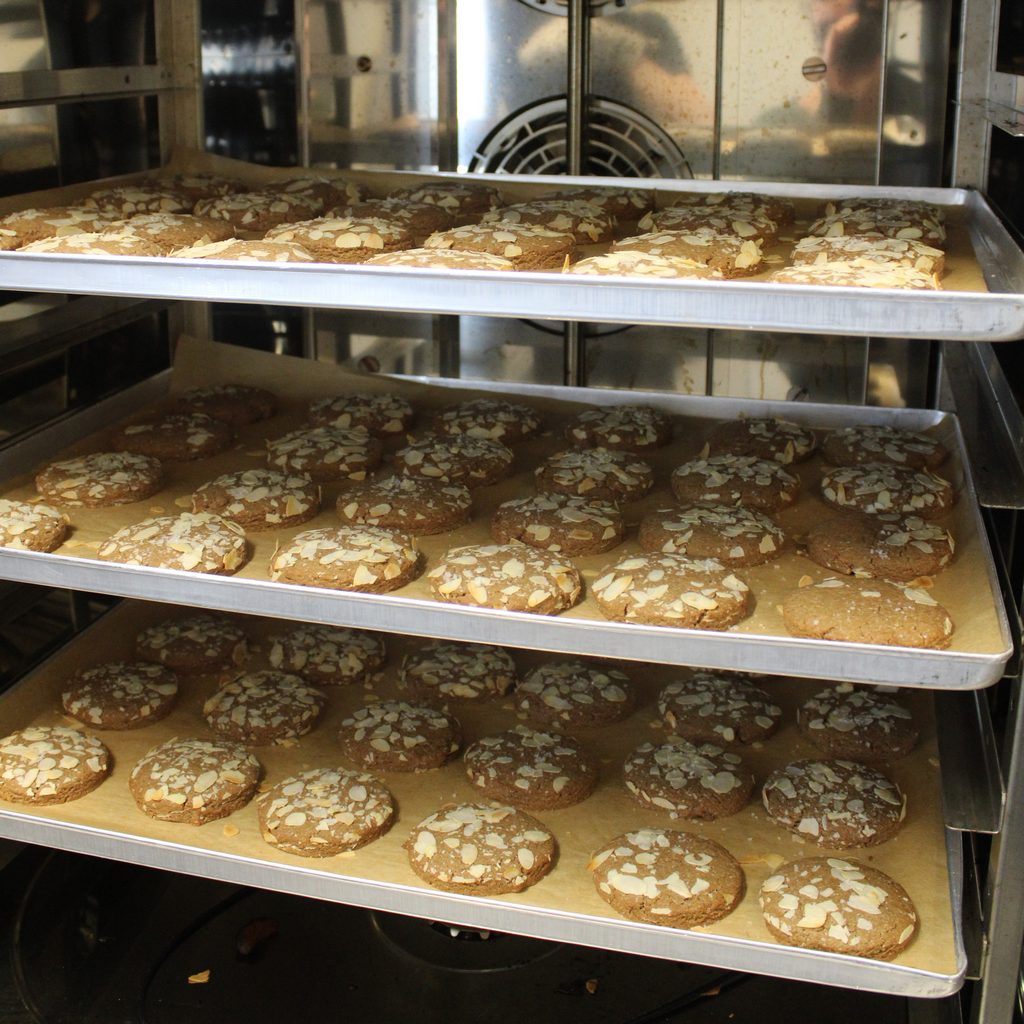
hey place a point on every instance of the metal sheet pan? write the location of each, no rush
(993, 315)
(926, 857)
(576, 632)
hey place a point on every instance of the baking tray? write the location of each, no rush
(981, 249)
(981, 645)
(924, 856)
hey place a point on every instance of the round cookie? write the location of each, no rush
(532, 770)
(672, 590)
(464, 672)
(867, 612)
(264, 707)
(901, 548)
(688, 781)
(488, 418)
(259, 499)
(770, 438)
(733, 535)
(108, 243)
(35, 224)
(574, 694)
(326, 453)
(515, 577)
(325, 811)
(838, 906)
(524, 246)
(735, 480)
(120, 695)
(382, 415)
(31, 527)
(448, 259)
(192, 541)
(395, 736)
(253, 214)
(360, 558)
(318, 190)
(100, 480)
(667, 877)
(633, 263)
(247, 252)
(857, 724)
(833, 803)
(463, 202)
(471, 461)
(875, 487)
(595, 473)
(194, 781)
(194, 645)
(726, 254)
(709, 707)
(481, 850)
(413, 505)
(196, 185)
(328, 655)
(560, 523)
(129, 200)
(631, 428)
(583, 220)
(183, 437)
(50, 765)
(853, 446)
(344, 239)
(626, 205)
(418, 219)
(234, 404)
(172, 231)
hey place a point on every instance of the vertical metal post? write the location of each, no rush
(447, 87)
(716, 151)
(302, 68)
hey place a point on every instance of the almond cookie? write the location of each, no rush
(765, 438)
(488, 418)
(583, 220)
(418, 219)
(839, 248)
(688, 781)
(28, 527)
(470, 461)
(738, 220)
(107, 244)
(198, 644)
(874, 487)
(48, 222)
(533, 770)
(172, 231)
(100, 480)
(525, 247)
(837, 804)
(344, 239)
(253, 214)
(858, 724)
(735, 480)
(194, 781)
(182, 437)
(326, 453)
(595, 473)
(863, 221)
(264, 707)
(733, 535)
(859, 273)
(193, 541)
(323, 812)
(394, 736)
(129, 200)
(235, 404)
(633, 263)
(666, 877)
(626, 205)
(50, 765)
(383, 416)
(120, 695)
(462, 672)
(442, 259)
(728, 254)
(867, 612)
(709, 707)
(900, 548)
(360, 558)
(247, 252)
(631, 428)
(413, 505)
(515, 577)
(853, 446)
(196, 185)
(463, 202)
(838, 906)
(481, 850)
(318, 190)
(574, 694)
(909, 208)
(558, 522)
(672, 590)
(260, 499)
(328, 655)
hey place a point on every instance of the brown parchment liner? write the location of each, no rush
(963, 588)
(962, 271)
(916, 856)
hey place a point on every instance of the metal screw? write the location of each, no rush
(814, 69)
(363, 64)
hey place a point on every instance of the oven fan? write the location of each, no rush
(621, 143)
